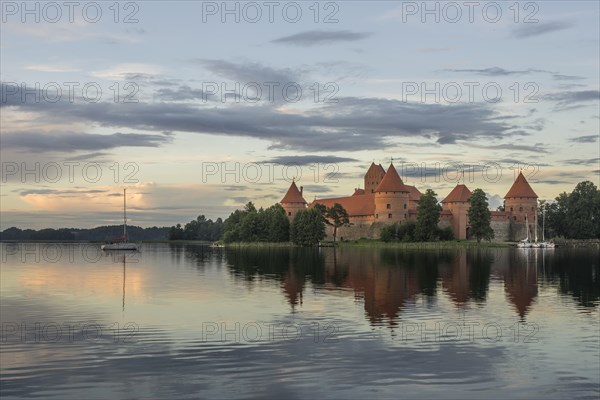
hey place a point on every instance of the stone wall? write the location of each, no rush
(501, 230)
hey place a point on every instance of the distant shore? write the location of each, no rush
(364, 243)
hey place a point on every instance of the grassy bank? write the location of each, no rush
(421, 245)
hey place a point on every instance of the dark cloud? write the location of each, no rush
(560, 77)
(249, 72)
(584, 139)
(72, 141)
(87, 156)
(496, 71)
(572, 99)
(65, 193)
(524, 31)
(182, 93)
(312, 38)
(309, 159)
(578, 161)
(351, 124)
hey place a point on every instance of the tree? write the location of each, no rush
(428, 217)
(176, 232)
(575, 215)
(335, 216)
(278, 224)
(583, 215)
(308, 228)
(480, 216)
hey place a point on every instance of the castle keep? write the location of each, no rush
(385, 200)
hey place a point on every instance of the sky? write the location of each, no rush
(199, 107)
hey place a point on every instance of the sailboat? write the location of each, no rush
(525, 243)
(544, 244)
(121, 243)
(535, 243)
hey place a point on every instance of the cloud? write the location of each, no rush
(351, 124)
(524, 31)
(572, 99)
(26, 192)
(496, 71)
(249, 71)
(182, 93)
(309, 159)
(72, 141)
(313, 38)
(51, 68)
(578, 161)
(584, 139)
(534, 148)
(560, 77)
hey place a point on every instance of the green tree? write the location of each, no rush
(428, 217)
(176, 232)
(583, 215)
(335, 216)
(480, 216)
(307, 228)
(278, 224)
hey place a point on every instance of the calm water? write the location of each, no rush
(190, 321)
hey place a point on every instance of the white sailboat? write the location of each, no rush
(525, 243)
(121, 243)
(544, 244)
(535, 243)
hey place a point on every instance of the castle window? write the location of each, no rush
(389, 215)
(388, 206)
(404, 216)
(520, 208)
(511, 209)
(289, 213)
(515, 217)
(405, 206)
(531, 208)
(376, 215)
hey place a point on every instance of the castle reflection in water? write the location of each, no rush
(388, 281)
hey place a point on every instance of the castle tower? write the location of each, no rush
(457, 202)
(391, 198)
(373, 177)
(521, 200)
(293, 201)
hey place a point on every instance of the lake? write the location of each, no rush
(189, 321)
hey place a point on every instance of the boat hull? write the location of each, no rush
(119, 246)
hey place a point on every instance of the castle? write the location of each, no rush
(385, 200)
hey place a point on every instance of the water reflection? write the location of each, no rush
(386, 280)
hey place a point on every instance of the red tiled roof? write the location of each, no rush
(391, 182)
(357, 205)
(293, 195)
(358, 192)
(460, 194)
(413, 193)
(375, 169)
(520, 188)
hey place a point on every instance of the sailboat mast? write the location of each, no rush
(125, 214)
(543, 225)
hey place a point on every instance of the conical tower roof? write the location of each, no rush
(521, 188)
(460, 194)
(375, 169)
(391, 182)
(293, 195)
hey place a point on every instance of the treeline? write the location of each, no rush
(198, 229)
(251, 225)
(574, 215)
(247, 225)
(100, 233)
